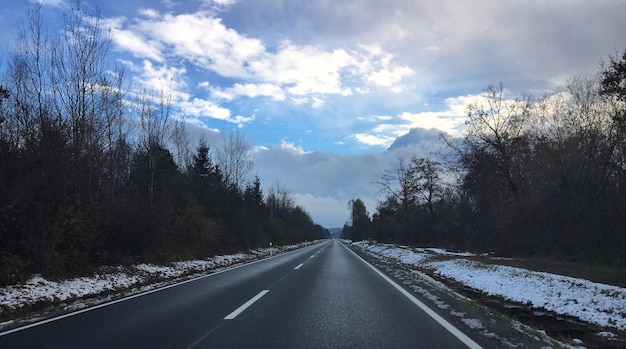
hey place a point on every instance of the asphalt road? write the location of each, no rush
(322, 296)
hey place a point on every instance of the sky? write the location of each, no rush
(331, 93)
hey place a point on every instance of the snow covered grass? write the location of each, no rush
(595, 303)
(39, 291)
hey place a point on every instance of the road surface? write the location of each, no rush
(322, 296)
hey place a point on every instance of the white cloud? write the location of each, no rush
(130, 41)
(148, 12)
(161, 77)
(451, 121)
(389, 77)
(304, 69)
(442, 121)
(303, 75)
(371, 49)
(371, 139)
(54, 3)
(299, 100)
(384, 117)
(376, 138)
(218, 94)
(240, 120)
(224, 2)
(296, 70)
(317, 102)
(199, 38)
(275, 92)
(217, 5)
(201, 108)
(291, 148)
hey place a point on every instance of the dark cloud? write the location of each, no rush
(427, 140)
(323, 182)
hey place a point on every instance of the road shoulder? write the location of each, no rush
(487, 326)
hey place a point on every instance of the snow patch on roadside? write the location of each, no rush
(114, 279)
(596, 303)
(474, 324)
(37, 289)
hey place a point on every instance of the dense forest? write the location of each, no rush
(533, 176)
(94, 172)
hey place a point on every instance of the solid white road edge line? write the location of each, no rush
(443, 322)
(60, 317)
(245, 305)
(298, 267)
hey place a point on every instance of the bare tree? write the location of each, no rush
(427, 182)
(417, 182)
(78, 70)
(28, 80)
(155, 123)
(279, 199)
(234, 159)
(180, 138)
(496, 127)
(398, 183)
(154, 115)
(78, 75)
(117, 149)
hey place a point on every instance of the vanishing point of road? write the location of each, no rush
(321, 296)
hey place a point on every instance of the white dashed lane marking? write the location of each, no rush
(245, 305)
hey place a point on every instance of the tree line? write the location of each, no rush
(532, 176)
(93, 173)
